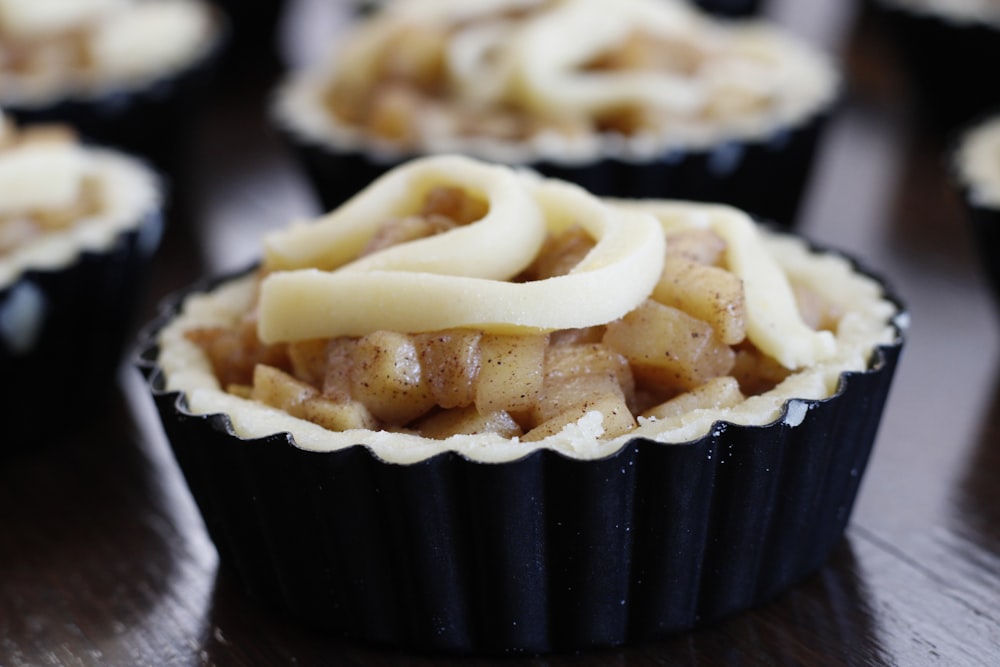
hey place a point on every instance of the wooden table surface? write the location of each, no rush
(104, 559)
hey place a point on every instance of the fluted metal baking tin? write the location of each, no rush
(767, 177)
(940, 58)
(58, 375)
(546, 553)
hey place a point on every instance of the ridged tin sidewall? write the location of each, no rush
(542, 554)
(63, 332)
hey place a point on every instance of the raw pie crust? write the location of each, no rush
(766, 263)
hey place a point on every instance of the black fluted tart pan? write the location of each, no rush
(541, 554)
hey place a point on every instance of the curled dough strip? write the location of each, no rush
(774, 324)
(478, 62)
(615, 277)
(499, 245)
(553, 48)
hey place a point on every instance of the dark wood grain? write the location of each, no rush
(104, 559)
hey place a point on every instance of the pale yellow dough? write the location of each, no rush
(459, 278)
(550, 51)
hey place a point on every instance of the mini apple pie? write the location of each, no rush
(112, 68)
(77, 224)
(654, 99)
(506, 334)
(976, 171)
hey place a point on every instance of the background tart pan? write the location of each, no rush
(766, 176)
(941, 58)
(985, 225)
(732, 8)
(982, 213)
(60, 374)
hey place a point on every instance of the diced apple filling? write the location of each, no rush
(395, 88)
(683, 349)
